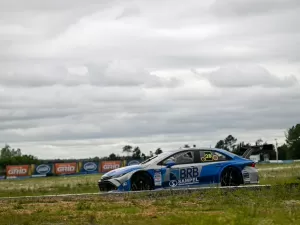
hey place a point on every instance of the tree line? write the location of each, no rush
(288, 150)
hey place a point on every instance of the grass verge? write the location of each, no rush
(273, 206)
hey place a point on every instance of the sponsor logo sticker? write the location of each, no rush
(157, 178)
(184, 176)
(173, 183)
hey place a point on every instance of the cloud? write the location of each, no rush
(246, 76)
(251, 7)
(35, 75)
(84, 78)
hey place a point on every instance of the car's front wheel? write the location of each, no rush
(231, 176)
(141, 181)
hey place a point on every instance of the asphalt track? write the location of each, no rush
(176, 190)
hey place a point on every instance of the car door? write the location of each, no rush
(185, 169)
(212, 163)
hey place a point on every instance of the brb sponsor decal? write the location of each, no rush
(65, 168)
(17, 171)
(184, 176)
(133, 162)
(110, 165)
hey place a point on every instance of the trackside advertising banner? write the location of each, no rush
(65, 168)
(109, 165)
(88, 167)
(133, 162)
(42, 170)
(18, 171)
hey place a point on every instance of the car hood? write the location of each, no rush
(122, 170)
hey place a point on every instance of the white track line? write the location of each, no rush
(136, 192)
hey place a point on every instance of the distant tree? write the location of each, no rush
(136, 153)
(293, 142)
(230, 142)
(220, 144)
(10, 156)
(127, 149)
(283, 152)
(259, 142)
(8, 152)
(144, 157)
(158, 151)
(151, 153)
(227, 144)
(112, 156)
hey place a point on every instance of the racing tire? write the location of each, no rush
(141, 181)
(231, 176)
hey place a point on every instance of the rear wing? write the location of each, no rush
(258, 149)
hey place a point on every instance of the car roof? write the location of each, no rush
(194, 149)
(157, 158)
(202, 148)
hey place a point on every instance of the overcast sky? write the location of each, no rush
(84, 78)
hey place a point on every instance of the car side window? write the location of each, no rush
(180, 158)
(212, 156)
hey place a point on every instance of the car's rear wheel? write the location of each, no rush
(231, 176)
(141, 181)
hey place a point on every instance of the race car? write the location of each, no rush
(192, 167)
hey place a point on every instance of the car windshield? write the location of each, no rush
(162, 155)
(148, 160)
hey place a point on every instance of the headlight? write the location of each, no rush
(120, 175)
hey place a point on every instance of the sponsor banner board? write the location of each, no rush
(65, 168)
(132, 162)
(18, 171)
(88, 167)
(42, 169)
(109, 165)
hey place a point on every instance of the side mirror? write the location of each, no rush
(170, 164)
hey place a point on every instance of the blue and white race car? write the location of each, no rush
(196, 167)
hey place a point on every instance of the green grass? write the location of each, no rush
(49, 185)
(278, 205)
(275, 206)
(274, 165)
(279, 174)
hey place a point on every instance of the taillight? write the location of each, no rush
(251, 164)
